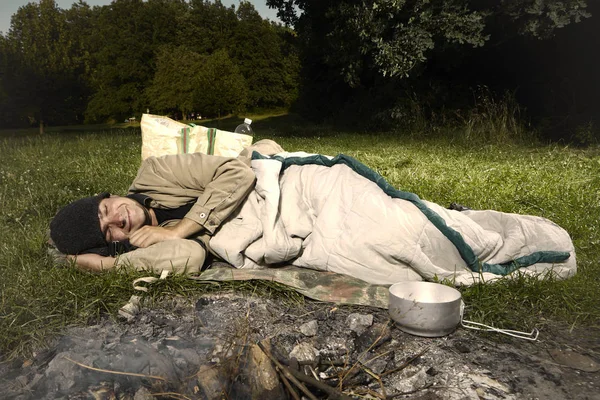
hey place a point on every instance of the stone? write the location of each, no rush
(131, 309)
(335, 349)
(305, 353)
(264, 380)
(62, 372)
(21, 381)
(143, 394)
(309, 329)
(409, 379)
(110, 346)
(209, 382)
(375, 362)
(462, 347)
(102, 391)
(373, 337)
(34, 381)
(359, 322)
(574, 360)
(483, 382)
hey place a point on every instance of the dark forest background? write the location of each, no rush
(370, 63)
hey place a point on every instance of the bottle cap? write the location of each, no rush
(247, 121)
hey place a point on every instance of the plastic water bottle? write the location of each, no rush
(245, 128)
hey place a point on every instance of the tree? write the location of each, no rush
(174, 84)
(7, 110)
(80, 25)
(127, 36)
(371, 46)
(221, 89)
(40, 44)
(110, 62)
(208, 27)
(535, 18)
(257, 49)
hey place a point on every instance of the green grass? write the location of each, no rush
(39, 174)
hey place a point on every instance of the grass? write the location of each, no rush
(39, 174)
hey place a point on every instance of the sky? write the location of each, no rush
(9, 7)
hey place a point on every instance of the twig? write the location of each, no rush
(312, 371)
(332, 392)
(406, 363)
(160, 378)
(342, 378)
(287, 373)
(378, 378)
(385, 353)
(174, 395)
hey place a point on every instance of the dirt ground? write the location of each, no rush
(198, 349)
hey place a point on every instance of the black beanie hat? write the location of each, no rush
(76, 228)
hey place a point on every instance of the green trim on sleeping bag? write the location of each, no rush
(465, 251)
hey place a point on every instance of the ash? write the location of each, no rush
(212, 348)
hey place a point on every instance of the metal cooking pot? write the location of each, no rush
(431, 310)
(425, 308)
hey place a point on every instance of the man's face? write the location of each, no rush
(120, 217)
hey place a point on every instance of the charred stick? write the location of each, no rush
(394, 395)
(333, 393)
(287, 373)
(287, 385)
(354, 367)
(299, 376)
(406, 363)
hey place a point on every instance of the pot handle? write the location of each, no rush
(533, 335)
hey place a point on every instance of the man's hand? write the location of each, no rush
(148, 235)
(93, 262)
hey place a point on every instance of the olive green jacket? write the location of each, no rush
(218, 185)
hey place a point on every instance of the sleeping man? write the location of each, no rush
(311, 211)
(173, 206)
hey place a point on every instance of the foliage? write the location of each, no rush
(354, 51)
(494, 119)
(221, 88)
(5, 63)
(208, 26)
(41, 75)
(39, 174)
(536, 18)
(259, 51)
(391, 37)
(175, 81)
(363, 61)
(127, 34)
(587, 134)
(109, 62)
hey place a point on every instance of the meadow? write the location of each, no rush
(41, 173)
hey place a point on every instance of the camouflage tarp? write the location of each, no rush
(318, 285)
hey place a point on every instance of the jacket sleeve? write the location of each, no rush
(178, 256)
(266, 147)
(218, 185)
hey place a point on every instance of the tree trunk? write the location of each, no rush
(41, 127)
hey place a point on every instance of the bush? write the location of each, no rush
(493, 119)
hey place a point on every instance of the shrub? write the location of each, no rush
(493, 119)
